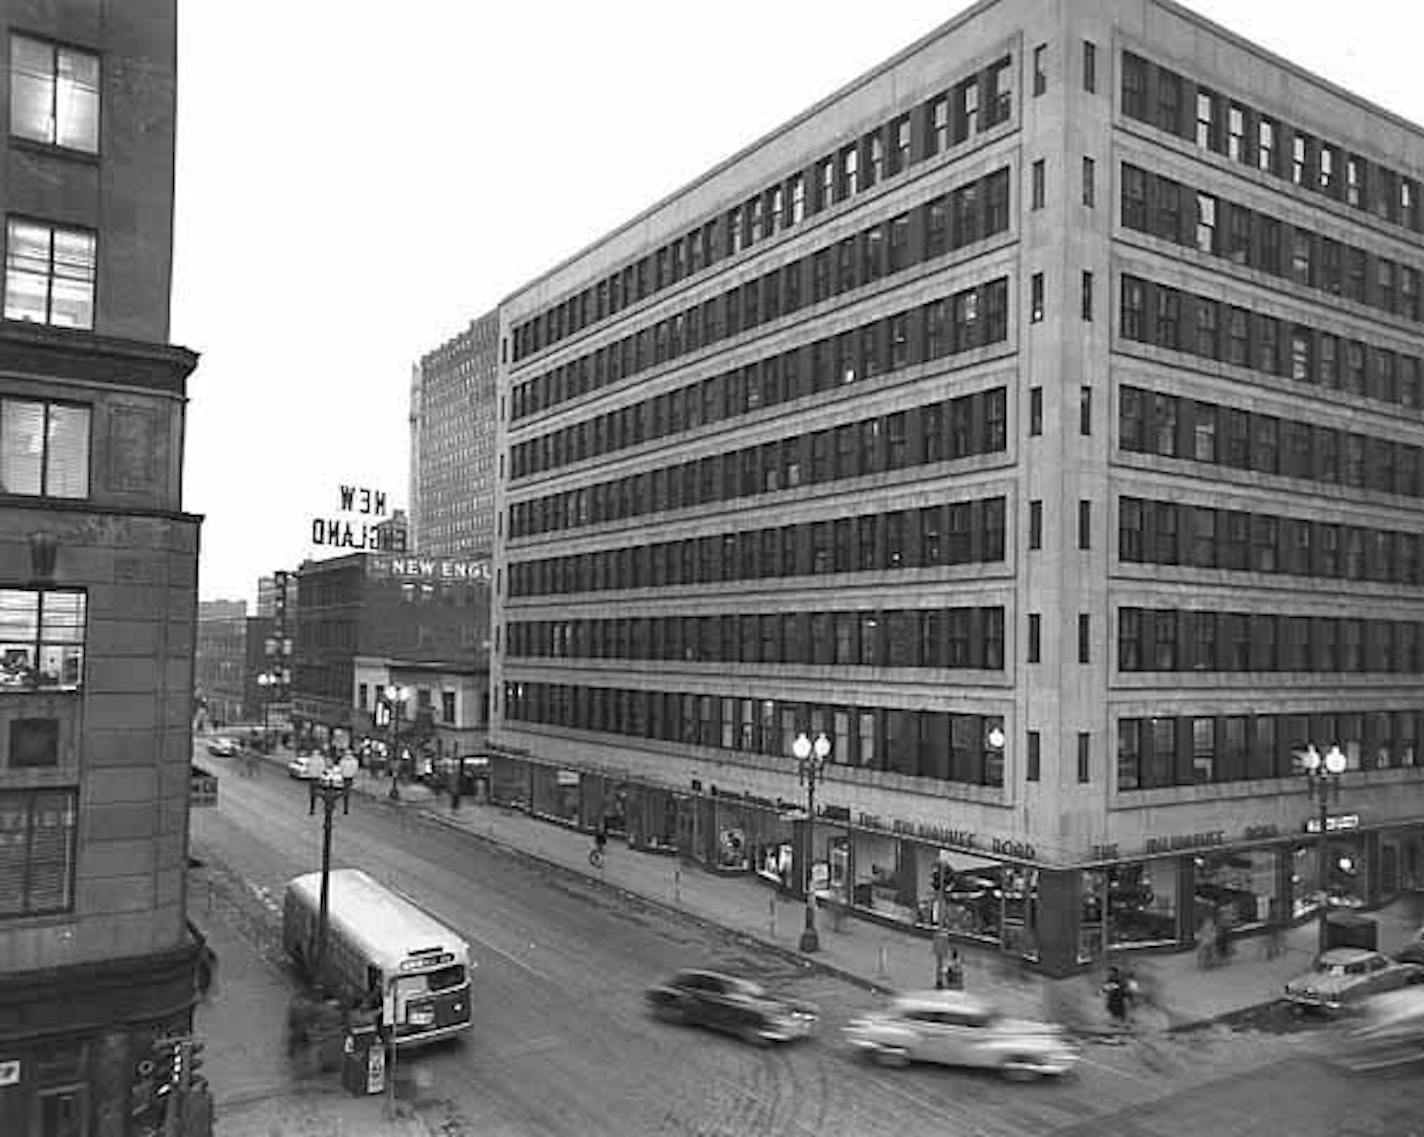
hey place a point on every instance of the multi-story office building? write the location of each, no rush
(452, 429)
(220, 661)
(98, 571)
(1037, 417)
(277, 590)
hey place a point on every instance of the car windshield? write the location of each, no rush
(1325, 967)
(746, 987)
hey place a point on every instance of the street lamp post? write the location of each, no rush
(331, 788)
(1323, 785)
(267, 680)
(396, 697)
(810, 759)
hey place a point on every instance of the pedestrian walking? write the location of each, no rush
(939, 948)
(1118, 996)
(954, 971)
(348, 767)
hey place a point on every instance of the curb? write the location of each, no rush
(1086, 1033)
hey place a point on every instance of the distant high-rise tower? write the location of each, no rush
(452, 427)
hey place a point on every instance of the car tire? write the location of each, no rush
(890, 1056)
(753, 1035)
(1018, 1068)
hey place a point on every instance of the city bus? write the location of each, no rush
(382, 950)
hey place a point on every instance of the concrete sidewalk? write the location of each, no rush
(258, 1090)
(885, 958)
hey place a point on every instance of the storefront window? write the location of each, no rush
(1345, 883)
(1141, 903)
(1242, 886)
(733, 848)
(882, 884)
(1094, 885)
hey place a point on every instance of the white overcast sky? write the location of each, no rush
(356, 181)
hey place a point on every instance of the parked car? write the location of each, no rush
(307, 767)
(958, 1029)
(1391, 1031)
(224, 747)
(731, 1004)
(1344, 976)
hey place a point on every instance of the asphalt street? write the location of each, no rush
(563, 1047)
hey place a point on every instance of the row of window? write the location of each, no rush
(1174, 426)
(922, 744)
(1159, 96)
(954, 533)
(858, 260)
(964, 427)
(1169, 639)
(942, 327)
(949, 637)
(1174, 533)
(979, 102)
(952, 221)
(41, 638)
(1189, 750)
(1194, 219)
(1208, 328)
(38, 840)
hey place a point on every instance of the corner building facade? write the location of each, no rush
(1052, 447)
(98, 573)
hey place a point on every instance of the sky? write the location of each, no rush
(356, 182)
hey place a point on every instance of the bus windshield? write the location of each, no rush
(428, 982)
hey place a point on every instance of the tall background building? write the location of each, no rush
(220, 672)
(98, 571)
(452, 427)
(1037, 417)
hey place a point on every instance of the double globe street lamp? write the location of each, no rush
(1323, 784)
(396, 699)
(810, 760)
(330, 787)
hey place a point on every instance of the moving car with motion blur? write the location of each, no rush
(1390, 1032)
(1342, 977)
(731, 1004)
(957, 1029)
(224, 747)
(1413, 951)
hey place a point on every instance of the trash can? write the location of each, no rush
(1349, 929)
(363, 1061)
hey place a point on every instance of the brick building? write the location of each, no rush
(366, 620)
(98, 571)
(220, 661)
(1038, 417)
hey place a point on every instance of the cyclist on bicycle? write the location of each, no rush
(600, 842)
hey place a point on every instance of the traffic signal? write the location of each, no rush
(939, 877)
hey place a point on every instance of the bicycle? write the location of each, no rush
(595, 857)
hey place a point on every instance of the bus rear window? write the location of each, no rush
(447, 977)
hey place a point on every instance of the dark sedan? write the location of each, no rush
(731, 1004)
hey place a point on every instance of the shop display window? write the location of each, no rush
(1238, 886)
(1141, 902)
(1345, 878)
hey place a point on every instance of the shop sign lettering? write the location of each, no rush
(1185, 841)
(1021, 850)
(1260, 832)
(1333, 824)
(432, 569)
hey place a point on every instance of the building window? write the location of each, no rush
(44, 449)
(1084, 753)
(1035, 411)
(1036, 297)
(1085, 525)
(1090, 66)
(1038, 187)
(1034, 637)
(1085, 411)
(1087, 305)
(1203, 749)
(49, 274)
(54, 94)
(447, 706)
(1083, 647)
(1090, 182)
(38, 829)
(41, 639)
(363, 696)
(1207, 135)
(1035, 757)
(1035, 525)
(34, 742)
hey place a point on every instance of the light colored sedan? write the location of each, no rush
(957, 1029)
(307, 767)
(1342, 976)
